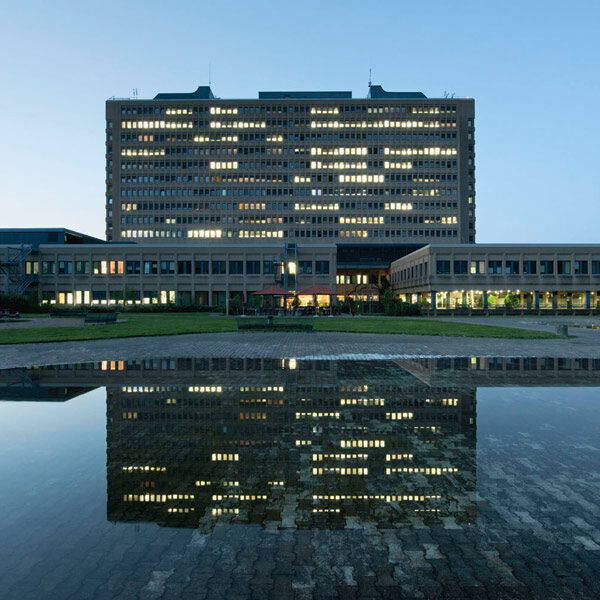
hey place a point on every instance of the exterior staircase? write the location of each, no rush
(13, 278)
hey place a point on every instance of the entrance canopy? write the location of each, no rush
(317, 290)
(273, 290)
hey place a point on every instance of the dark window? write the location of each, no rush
(133, 267)
(65, 267)
(546, 267)
(563, 267)
(48, 267)
(268, 267)
(494, 267)
(529, 267)
(150, 267)
(253, 267)
(596, 267)
(460, 267)
(151, 296)
(512, 267)
(581, 267)
(201, 267)
(82, 267)
(236, 267)
(184, 267)
(322, 267)
(442, 267)
(219, 267)
(167, 267)
(305, 267)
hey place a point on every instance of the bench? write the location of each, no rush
(101, 318)
(10, 317)
(271, 324)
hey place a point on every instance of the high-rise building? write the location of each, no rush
(376, 176)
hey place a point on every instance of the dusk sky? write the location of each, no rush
(533, 68)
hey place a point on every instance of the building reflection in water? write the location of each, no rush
(292, 444)
(287, 444)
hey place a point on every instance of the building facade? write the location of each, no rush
(498, 276)
(394, 168)
(199, 274)
(210, 198)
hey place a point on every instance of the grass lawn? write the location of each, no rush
(179, 323)
(412, 326)
(135, 325)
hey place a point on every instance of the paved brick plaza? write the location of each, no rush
(585, 343)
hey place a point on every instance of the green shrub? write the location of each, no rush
(14, 303)
(394, 307)
(512, 301)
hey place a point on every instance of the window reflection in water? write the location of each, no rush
(292, 443)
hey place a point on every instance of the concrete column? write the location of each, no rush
(434, 302)
(464, 299)
(554, 300)
(485, 300)
(536, 300)
(588, 300)
(6, 280)
(210, 290)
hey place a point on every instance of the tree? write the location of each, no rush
(388, 301)
(235, 305)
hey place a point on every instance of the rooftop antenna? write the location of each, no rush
(369, 77)
(135, 93)
(209, 74)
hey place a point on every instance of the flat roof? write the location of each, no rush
(149, 247)
(527, 245)
(513, 245)
(303, 95)
(46, 235)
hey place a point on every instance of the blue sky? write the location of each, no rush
(531, 66)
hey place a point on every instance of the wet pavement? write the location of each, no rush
(231, 478)
(585, 342)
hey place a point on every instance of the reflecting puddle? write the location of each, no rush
(240, 478)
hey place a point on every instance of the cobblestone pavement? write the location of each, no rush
(535, 534)
(29, 323)
(585, 343)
